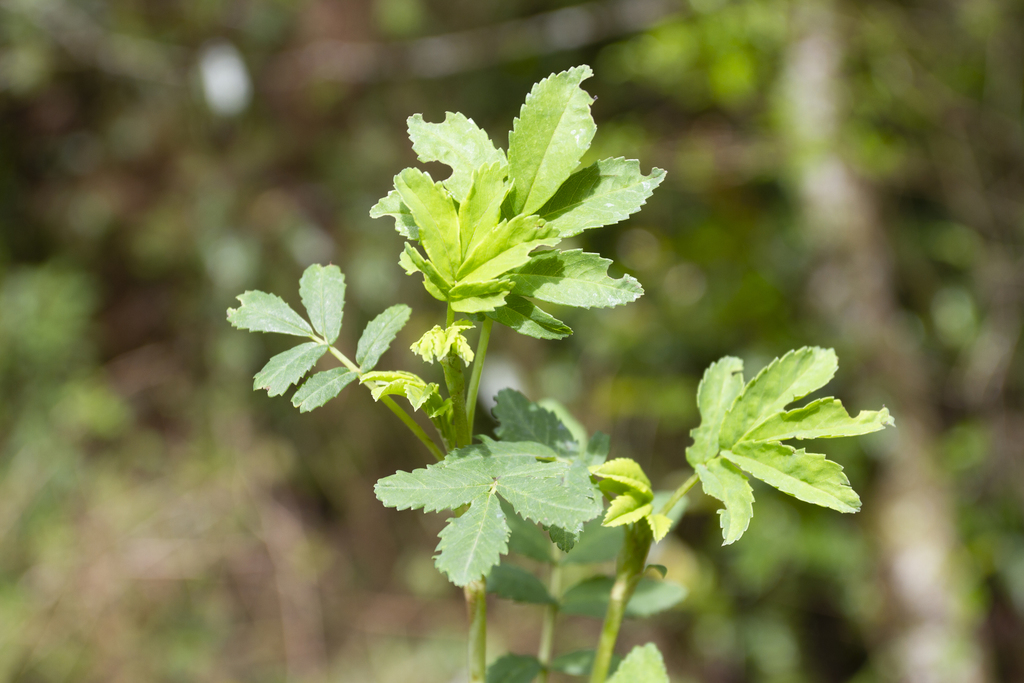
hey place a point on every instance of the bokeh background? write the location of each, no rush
(841, 173)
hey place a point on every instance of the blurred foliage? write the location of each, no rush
(156, 519)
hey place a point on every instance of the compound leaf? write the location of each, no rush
(378, 335)
(512, 668)
(722, 480)
(321, 388)
(526, 318)
(287, 368)
(515, 583)
(785, 380)
(456, 142)
(553, 130)
(473, 543)
(721, 384)
(573, 278)
(436, 487)
(262, 312)
(643, 664)
(603, 193)
(807, 476)
(555, 493)
(322, 289)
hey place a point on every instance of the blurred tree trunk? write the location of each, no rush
(927, 632)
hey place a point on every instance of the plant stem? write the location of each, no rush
(476, 610)
(405, 417)
(679, 493)
(629, 570)
(478, 368)
(547, 633)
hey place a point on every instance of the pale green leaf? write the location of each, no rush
(435, 283)
(603, 193)
(589, 598)
(378, 335)
(807, 476)
(321, 388)
(513, 668)
(554, 493)
(553, 130)
(480, 212)
(391, 205)
(434, 212)
(473, 543)
(433, 488)
(722, 480)
(456, 142)
(479, 297)
(627, 508)
(497, 456)
(285, 369)
(785, 380)
(627, 472)
(580, 663)
(573, 278)
(505, 247)
(825, 418)
(721, 384)
(322, 289)
(520, 419)
(643, 664)
(515, 583)
(262, 312)
(660, 526)
(526, 318)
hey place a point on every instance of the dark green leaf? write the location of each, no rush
(515, 583)
(513, 669)
(526, 538)
(597, 543)
(520, 419)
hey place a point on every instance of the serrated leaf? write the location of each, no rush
(575, 427)
(643, 664)
(473, 543)
(391, 205)
(573, 278)
(321, 388)
(515, 583)
(480, 212)
(626, 508)
(287, 368)
(603, 193)
(565, 539)
(553, 130)
(435, 283)
(589, 598)
(660, 526)
(580, 663)
(456, 142)
(322, 289)
(597, 543)
(628, 473)
(526, 318)
(505, 247)
(807, 476)
(392, 382)
(434, 212)
(513, 668)
(479, 297)
(721, 384)
(262, 312)
(722, 480)
(785, 380)
(526, 538)
(551, 493)
(378, 335)
(825, 418)
(433, 488)
(520, 419)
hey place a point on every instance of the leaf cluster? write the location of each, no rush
(480, 227)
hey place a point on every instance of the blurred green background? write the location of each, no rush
(840, 173)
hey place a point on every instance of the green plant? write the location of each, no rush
(488, 234)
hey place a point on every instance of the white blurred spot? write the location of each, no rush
(226, 82)
(499, 373)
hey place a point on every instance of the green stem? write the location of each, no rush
(476, 610)
(478, 368)
(547, 633)
(629, 570)
(404, 416)
(679, 493)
